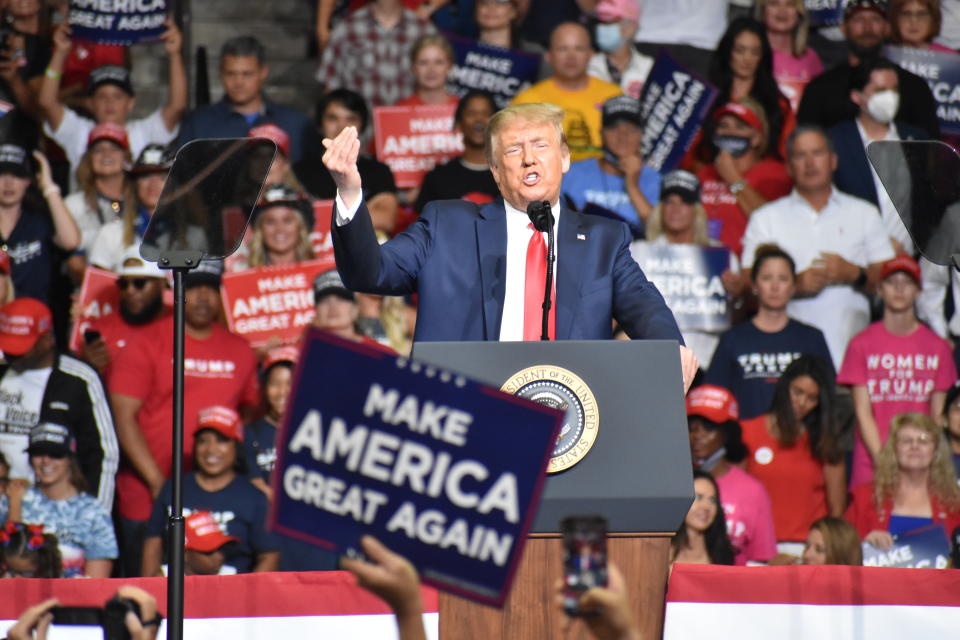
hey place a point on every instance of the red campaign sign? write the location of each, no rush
(320, 239)
(273, 301)
(99, 297)
(412, 140)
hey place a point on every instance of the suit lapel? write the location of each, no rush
(492, 255)
(571, 250)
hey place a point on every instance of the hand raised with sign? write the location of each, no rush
(340, 159)
(172, 38)
(391, 577)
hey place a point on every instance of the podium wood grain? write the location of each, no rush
(530, 612)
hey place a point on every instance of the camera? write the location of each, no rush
(110, 618)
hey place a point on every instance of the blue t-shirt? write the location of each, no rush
(587, 182)
(748, 362)
(240, 508)
(259, 444)
(30, 246)
(83, 527)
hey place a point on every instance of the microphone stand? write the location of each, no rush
(542, 218)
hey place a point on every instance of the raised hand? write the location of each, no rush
(340, 159)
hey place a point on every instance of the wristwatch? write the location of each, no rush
(738, 186)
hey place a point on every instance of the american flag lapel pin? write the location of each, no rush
(581, 236)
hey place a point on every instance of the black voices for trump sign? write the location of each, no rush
(441, 469)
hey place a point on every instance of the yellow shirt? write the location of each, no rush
(581, 120)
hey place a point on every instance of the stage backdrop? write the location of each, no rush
(815, 603)
(325, 604)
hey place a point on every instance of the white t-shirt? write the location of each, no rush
(698, 23)
(89, 221)
(21, 397)
(847, 226)
(633, 77)
(74, 130)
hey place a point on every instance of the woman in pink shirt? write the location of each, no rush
(915, 23)
(794, 63)
(716, 446)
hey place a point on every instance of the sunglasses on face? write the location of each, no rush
(136, 283)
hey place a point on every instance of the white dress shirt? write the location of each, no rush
(847, 226)
(518, 237)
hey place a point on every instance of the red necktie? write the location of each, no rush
(533, 290)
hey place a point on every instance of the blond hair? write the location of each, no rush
(532, 113)
(258, 251)
(798, 40)
(700, 235)
(87, 181)
(942, 482)
(432, 40)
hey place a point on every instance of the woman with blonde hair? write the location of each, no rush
(281, 228)
(105, 192)
(914, 484)
(794, 63)
(832, 541)
(431, 59)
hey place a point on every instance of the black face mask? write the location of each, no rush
(734, 145)
(610, 157)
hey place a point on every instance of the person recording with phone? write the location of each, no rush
(479, 270)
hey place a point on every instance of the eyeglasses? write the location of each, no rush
(136, 283)
(921, 440)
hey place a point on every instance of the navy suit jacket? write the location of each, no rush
(853, 168)
(454, 257)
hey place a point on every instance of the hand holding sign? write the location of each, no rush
(389, 576)
(340, 159)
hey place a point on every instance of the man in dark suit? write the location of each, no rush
(475, 268)
(875, 90)
(826, 99)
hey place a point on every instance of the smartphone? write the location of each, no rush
(90, 336)
(584, 559)
(82, 623)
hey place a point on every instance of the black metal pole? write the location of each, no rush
(175, 527)
(548, 285)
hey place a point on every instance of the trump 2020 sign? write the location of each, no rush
(441, 469)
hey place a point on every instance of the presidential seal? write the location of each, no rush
(559, 388)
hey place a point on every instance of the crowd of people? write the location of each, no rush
(831, 396)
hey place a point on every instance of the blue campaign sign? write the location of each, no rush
(673, 104)
(443, 470)
(688, 277)
(502, 72)
(941, 70)
(824, 13)
(923, 548)
(117, 21)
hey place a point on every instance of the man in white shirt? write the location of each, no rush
(472, 265)
(110, 99)
(837, 241)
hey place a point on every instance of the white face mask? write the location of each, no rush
(609, 36)
(883, 105)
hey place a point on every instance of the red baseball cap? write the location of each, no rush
(713, 403)
(904, 263)
(22, 322)
(109, 131)
(223, 420)
(288, 353)
(272, 132)
(741, 111)
(204, 534)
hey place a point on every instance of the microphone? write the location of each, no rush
(541, 216)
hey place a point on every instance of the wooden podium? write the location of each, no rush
(531, 612)
(638, 476)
